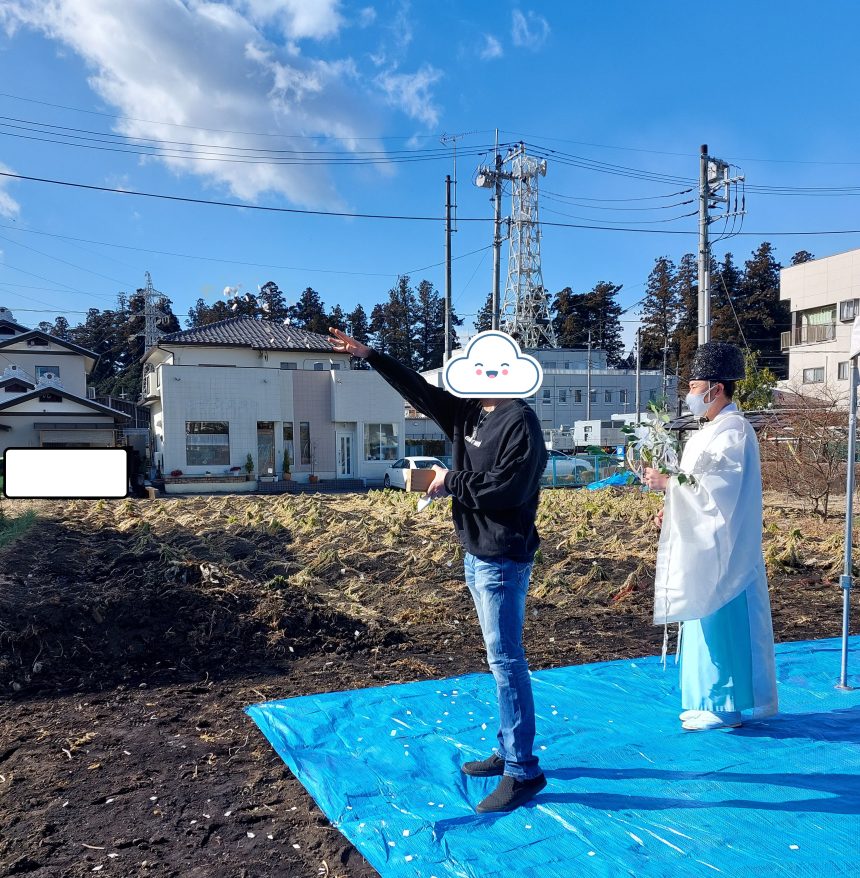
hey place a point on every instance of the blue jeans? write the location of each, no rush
(498, 587)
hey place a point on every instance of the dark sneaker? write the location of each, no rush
(510, 794)
(492, 766)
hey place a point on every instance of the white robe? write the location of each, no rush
(710, 544)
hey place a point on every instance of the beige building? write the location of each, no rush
(44, 399)
(825, 298)
(242, 386)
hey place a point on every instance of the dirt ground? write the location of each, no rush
(133, 633)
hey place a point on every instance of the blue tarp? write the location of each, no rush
(622, 478)
(629, 793)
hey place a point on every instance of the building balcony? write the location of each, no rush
(809, 334)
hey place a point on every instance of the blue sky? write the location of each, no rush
(769, 86)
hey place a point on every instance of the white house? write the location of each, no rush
(43, 393)
(825, 298)
(243, 386)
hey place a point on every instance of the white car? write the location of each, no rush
(395, 475)
(567, 469)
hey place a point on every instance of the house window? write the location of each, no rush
(44, 370)
(48, 396)
(546, 398)
(16, 387)
(849, 309)
(652, 395)
(290, 366)
(305, 442)
(380, 442)
(207, 443)
(336, 367)
(319, 367)
(622, 397)
(814, 375)
(577, 395)
(843, 373)
(593, 396)
(562, 396)
(607, 396)
(550, 364)
(288, 441)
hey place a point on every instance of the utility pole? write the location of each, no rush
(497, 236)
(665, 388)
(588, 381)
(713, 176)
(704, 251)
(638, 374)
(447, 268)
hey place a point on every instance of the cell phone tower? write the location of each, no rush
(524, 310)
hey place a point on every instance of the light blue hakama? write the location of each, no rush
(716, 660)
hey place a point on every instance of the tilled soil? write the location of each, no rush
(134, 633)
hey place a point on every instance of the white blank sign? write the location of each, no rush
(66, 473)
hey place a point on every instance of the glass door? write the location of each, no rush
(344, 455)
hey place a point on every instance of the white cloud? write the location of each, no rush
(297, 19)
(9, 208)
(493, 366)
(366, 16)
(529, 31)
(210, 66)
(411, 92)
(492, 48)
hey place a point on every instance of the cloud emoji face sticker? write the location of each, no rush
(493, 366)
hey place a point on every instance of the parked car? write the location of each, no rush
(561, 467)
(395, 476)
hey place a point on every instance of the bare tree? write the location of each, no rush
(804, 447)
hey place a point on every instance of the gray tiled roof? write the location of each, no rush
(248, 332)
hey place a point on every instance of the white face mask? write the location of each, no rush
(695, 402)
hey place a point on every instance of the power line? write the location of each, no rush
(213, 130)
(410, 218)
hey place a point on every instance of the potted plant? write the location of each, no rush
(286, 466)
(313, 477)
(249, 464)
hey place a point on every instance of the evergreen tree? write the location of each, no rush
(801, 256)
(429, 327)
(596, 311)
(202, 314)
(337, 318)
(764, 316)
(484, 319)
(60, 328)
(660, 312)
(399, 314)
(755, 390)
(726, 301)
(357, 326)
(379, 328)
(271, 302)
(686, 337)
(309, 312)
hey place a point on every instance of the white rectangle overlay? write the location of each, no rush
(65, 473)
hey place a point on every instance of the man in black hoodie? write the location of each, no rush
(499, 456)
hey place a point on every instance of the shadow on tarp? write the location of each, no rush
(628, 793)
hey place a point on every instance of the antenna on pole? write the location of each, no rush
(525, 309)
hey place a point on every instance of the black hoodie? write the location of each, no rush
(499, 458)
